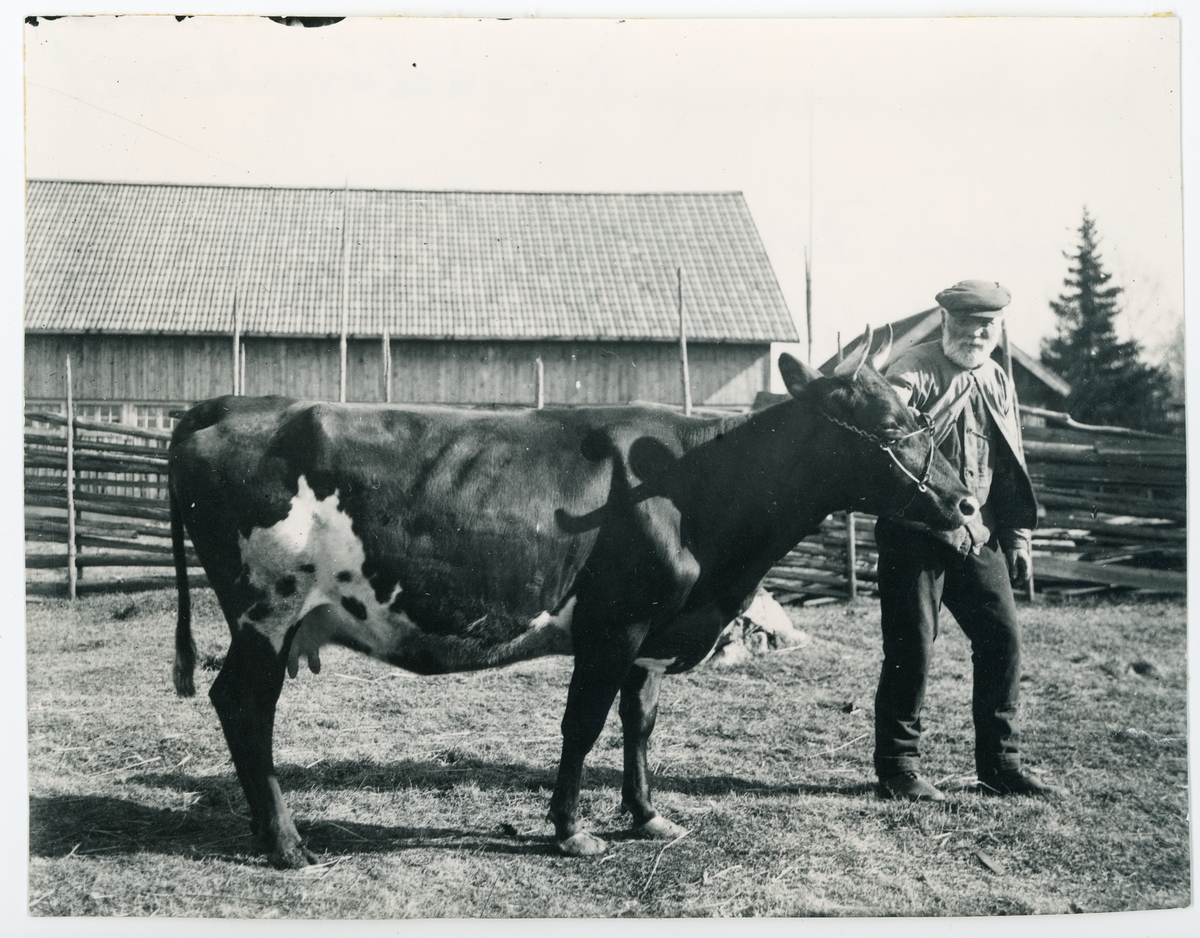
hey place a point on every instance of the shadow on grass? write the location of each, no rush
(97, 825)
(216, 826)
(361, 774)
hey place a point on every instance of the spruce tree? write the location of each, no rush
(1110, 384)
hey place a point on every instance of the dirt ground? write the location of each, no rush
(425, 797)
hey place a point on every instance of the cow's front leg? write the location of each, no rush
(600, 668)
(639, 710)
(245, 694)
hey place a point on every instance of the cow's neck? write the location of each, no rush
(762, 483)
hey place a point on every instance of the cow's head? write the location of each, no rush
(886, 460)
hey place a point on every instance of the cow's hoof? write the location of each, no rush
(582, 844)
(659, 828)
(291, 858)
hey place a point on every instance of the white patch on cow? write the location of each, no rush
(311, 547)
(552, 631)
(308, 567)
(560, 620)
(656, 665)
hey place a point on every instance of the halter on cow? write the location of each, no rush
(442, 540)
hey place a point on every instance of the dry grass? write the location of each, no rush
(426, 796)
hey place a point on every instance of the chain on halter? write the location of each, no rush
(886, 445)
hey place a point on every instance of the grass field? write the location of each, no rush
(425, 797)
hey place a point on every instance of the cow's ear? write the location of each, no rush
(796, 374)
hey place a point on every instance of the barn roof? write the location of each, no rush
(124, 258)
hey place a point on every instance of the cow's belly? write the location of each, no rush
(308, 568)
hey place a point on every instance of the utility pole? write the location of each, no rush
(808, 296)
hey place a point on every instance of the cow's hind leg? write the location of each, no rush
(245, 694)
(639, 709)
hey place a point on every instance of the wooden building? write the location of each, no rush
(150, 288)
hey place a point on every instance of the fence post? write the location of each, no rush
(387, 366)
(345, 295)
(541, 383)
(851, 557)
(72, 572)
(237, 345)
(683, 356)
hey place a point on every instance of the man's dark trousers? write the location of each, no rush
(917, 573)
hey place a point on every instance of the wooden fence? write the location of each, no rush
(1113, 516)
(1114, 505)
(1113, 502)
(840, 561)
(96, 497)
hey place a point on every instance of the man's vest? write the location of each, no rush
(929, 382)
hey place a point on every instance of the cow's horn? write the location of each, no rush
(879, 359)
(851, 365)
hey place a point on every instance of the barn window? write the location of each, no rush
(42, 407)
(101, 413)
(155, 416)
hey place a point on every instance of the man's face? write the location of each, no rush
(967, 341)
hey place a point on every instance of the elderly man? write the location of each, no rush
(972, 406)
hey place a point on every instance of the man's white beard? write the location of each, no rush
(964, 353)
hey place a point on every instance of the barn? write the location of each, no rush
(167, 294)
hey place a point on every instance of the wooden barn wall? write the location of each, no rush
(129, 368)
(575, 372)
(303, 368)
(184, 369)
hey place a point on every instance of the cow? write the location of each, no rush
(439, 540)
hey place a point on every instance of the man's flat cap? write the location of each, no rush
(982, 298)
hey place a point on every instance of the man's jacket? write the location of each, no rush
(929, 382)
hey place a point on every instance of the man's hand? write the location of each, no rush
(1020, 563)
(977, 533)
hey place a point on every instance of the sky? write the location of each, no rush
(904, 154)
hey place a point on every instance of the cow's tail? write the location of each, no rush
(185, 646)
